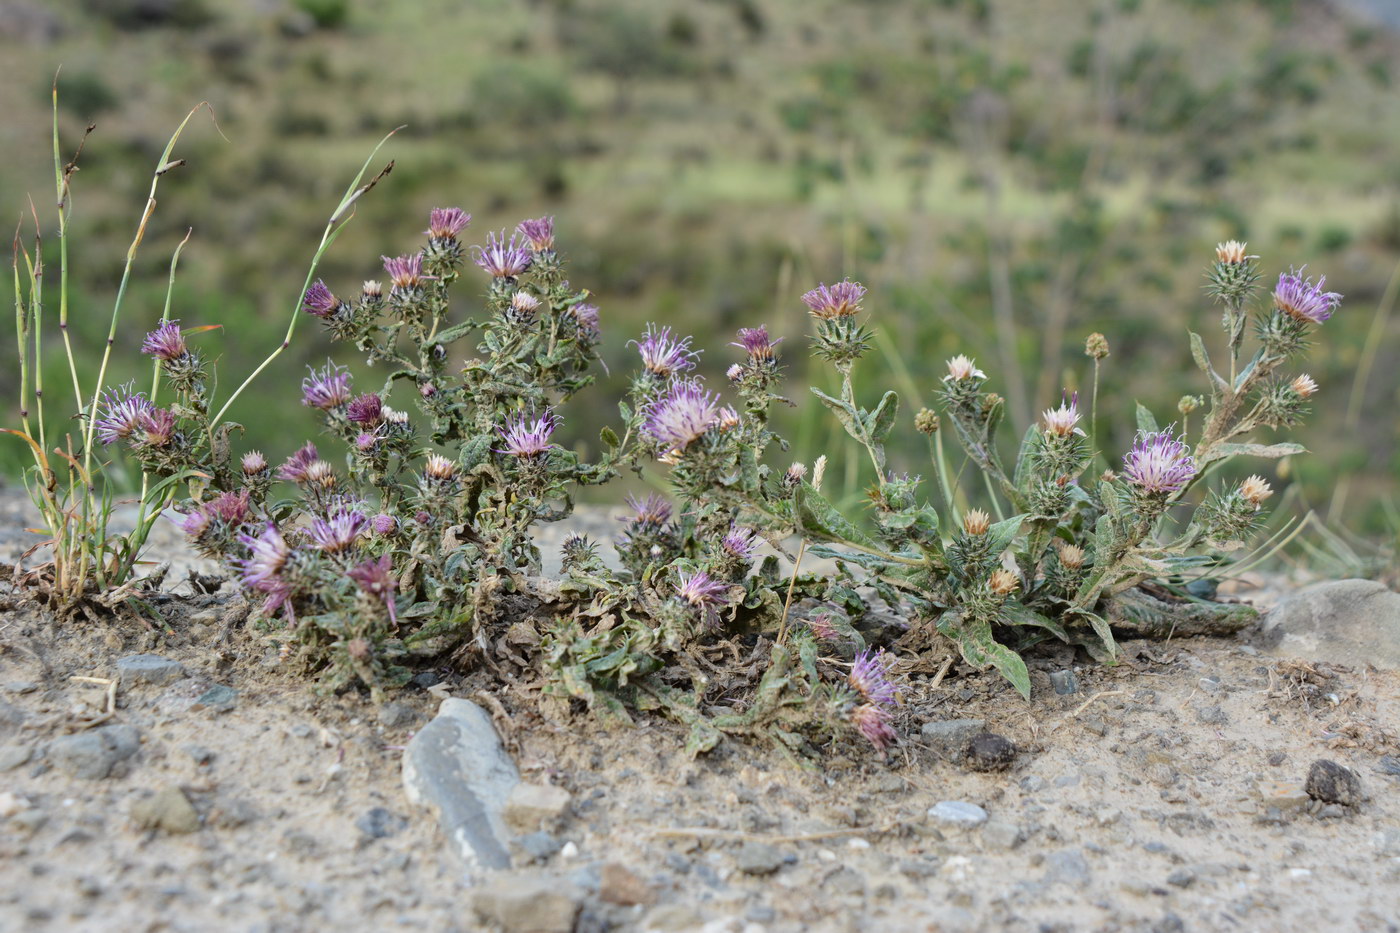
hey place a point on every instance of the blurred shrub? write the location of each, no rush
(326, 14)
(520, 94)
(150, 14)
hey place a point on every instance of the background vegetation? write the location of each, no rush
(1006, 177)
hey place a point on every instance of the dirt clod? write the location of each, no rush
(990, 752)
(1334, 783)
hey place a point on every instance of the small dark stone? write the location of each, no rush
(379, 823)
(538, 846)
(426, 679)
(1064, 682)
(759, 858)
(198, 754)
(1278, 758)
(1333, 783)
(1182, 878)
(1389, 764)
(218, 698)
(990, 752)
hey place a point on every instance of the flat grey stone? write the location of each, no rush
(1000, 835)
(136, 669)
(949, 737)
(380, 823)
(1066, 867)
(218, 698)
(528, 903)
(167, 809)
(759, 858)
(456, 767)
(958, 813)
(11, 718)
(95, 754)
(1353, 622)
(12, 756)
(1064, 682)
(396, 715)
(532, 805)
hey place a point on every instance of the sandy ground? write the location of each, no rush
(1165, 794)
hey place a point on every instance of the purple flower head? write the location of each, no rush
(195, 523)
(664, 355)
(318, 300)
(294, 470)
(253, 463)
(529, 437)
(501, 257)
(230, 508)
(822, 628)
(540, 233)
(339, 532)
(1159, 464)
(756, 343)
(702, 592)
(654, 510)
(423, 517)
(384, 524)
(1302, 300)
(327, 388)
(365, 409)
(870, 678)
(404, 271)
(683, 413)
(376, 577)
(444, 223)
(158, 426)
(586, 316)
(366, 441)
(165, 342)
(741, 542)
(262, 570)
(123, 411)
(834, 301)
(873, 722)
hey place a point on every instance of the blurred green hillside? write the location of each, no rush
(1006, 177)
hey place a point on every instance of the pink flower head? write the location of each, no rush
(663, 355)
(680, 415)
(405, 272)
(158, 427)
(165, 342)
(327, 388)
(444, 223)
(653, 511)
(540, 233)
(586, 316)
(525, 436)
(376, 577)
(741, 542)
(756, 343)
(1064, 420)
(339, 532)
(870, 678)
(873, 723)
(294, 470)
(318, 300)
(262, 570)
(501, 257)
(1159, 464)
(835, 301)
(1302, 300)
(123, 412)
(702, 592)
(365, 409)
(384, 524)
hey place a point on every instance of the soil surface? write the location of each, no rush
(1166, 793)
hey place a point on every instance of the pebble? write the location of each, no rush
(759, 858)
(531, 806)
(380, 823)
(1389, 764)
(199, 754)
(1388, 843)
(168, 809)
(845, 882)
(97, 753)
(998, 834)
(1066, 867)
(1333, 783)
(528, 903)
(990, 752)
(19, 687)
(1032, 783)
(1182, 878)
(1286, 795)
(137, 669)
(538, 846)
(231, 813)
(13, 756)
(218, 698)
(1064, 682)
(958, 813)
(396, 715)
(1212, 715)
(672, 918)
(622, 886)
(455, 765)
(949, 737)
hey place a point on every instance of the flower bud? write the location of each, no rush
(1096, 347)
(976, 522)
(1304, 386)
(1002, 582)
(926, 421)
(1255, 490)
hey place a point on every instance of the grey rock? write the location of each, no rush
(168, 809)
(1066, 866)
(456, 767)
(672, 918)
(1064, 682)
(1389, 764)
(218, 698)
(957, 813)
(199, 754)
(998, 834)
(18, 687)
(528, 903)
(137, 669)
(11, 718)
(759, 858)
(844, 882)
(1388, 843)
(1353, 622)
(619, 884)
(396, 715)
(531, 806)
(538, 846)
(95, 754)
(1333, 783)
(380, 823)
(1212, 715)
(1032, 783)
(231, 813)
(1067, 780)
(29, 820)
(12, 756)
(1182, 878)
(949, 737)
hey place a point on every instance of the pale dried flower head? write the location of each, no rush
(1072, 556)
(321, 473)
(976, 522)
(1232, 252)
(1304, 386)
(1002, 582)
(962, 367)
(1255, 490)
